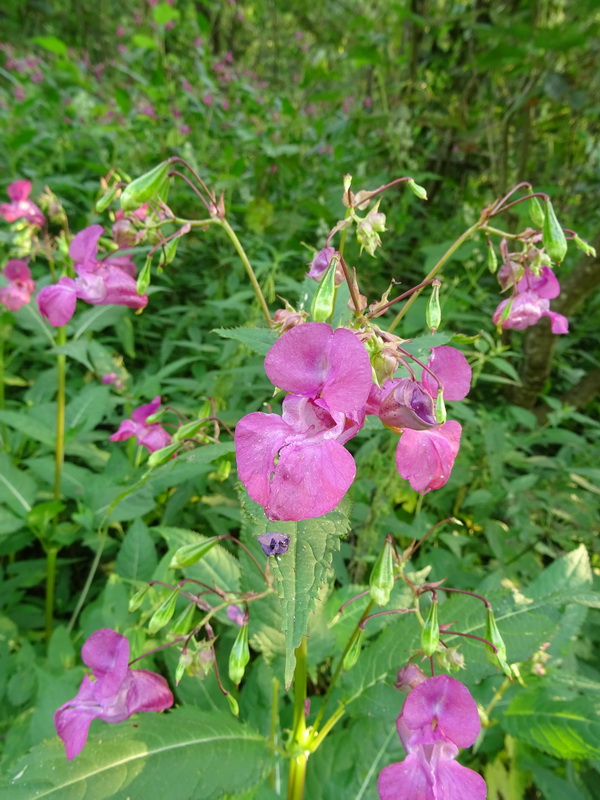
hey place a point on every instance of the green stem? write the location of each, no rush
(274, 777)
(3, 431)
(51, 555)
(61, 365)
(299, 734)
(248, 266)
(447, 255)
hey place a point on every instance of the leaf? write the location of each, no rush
(52, 44)
(141, 40)
(211, 754)
(77, 350)
(87, 409)
(302, 570)
(217, 568)
(17, 489)
(137, 555)
(564, 728)
(30, 427)
(259, 340)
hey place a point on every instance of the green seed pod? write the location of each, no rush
(137, 599)
(143, 281)
(492, 259)
(324, 299)
(430, 635)
(440, 407)
(185, 659)
(492, 634)
(353, 653)
(169, 252)
(433, 313)
(584, 246)
(381, 582)
(188, 430)
(145, 187)
(239, 656)
(163, 613)
(233, 705)
(190, 554)
(417, 190)
(553, 235)
(163, 455)
(103, 203)
(184, 622)
(536, 212)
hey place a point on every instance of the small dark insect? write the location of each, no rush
(274, 544)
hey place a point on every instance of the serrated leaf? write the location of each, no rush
(564, 728)
(302, 570)
(17, 489)
(87, 408)
(211, 754)
(30, 427)
(217, 568)
(137, 558)
(259, 340)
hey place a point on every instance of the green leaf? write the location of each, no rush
(259, 340)
(212, 754)
(87, 409)
(140, 40)
(26, 424)
(17, 489)
(137, 558)
(217, 568)
(302, 570)
(52, 44)
(564, 728)
(164, 13)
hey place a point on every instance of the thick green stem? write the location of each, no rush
(299, 733)
(248, 266)
(3, 431)
(59, 457)
(51, 555)
(447, 255)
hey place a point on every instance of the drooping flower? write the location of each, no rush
(426, 451)
(531, 302)
(20, 286)
(99, 282)
(274, 544)
(113, 694)
(320, 264)
(150, 435)
(21, 206)
(295, 465)
(439, 716)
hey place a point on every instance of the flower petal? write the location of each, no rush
(19, 190)
(453, 369)
(126, 430)
(425, 458)
(148, 692)
(16, 270)
(258, 439)
(452, 780)
(558, 323)
(84, 248)
(309, 480)
(58, 302)
(106, 653)
(142, 413)
(410, 779)
(72, 720)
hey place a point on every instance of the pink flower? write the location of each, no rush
(320, 264)
(107, 282)
(531, 302)
(113, 695)
(21, 206)
(20, 286)
(425, 457)
(152, 436)
(439, 716)
(295, 465)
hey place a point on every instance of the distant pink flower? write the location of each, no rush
(439, 716)
(185, 130)
(198, 41)
(531, 300)
(113, 694)
(20, 286)
(186, 85)
(19, 93)
(21, 206)
(147, 110)
(120, 32)
(207, 99)
(152, 436)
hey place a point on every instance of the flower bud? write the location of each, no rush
(188, 430)
(144, 188)
(190, 554)
(440, 407)
(137, 599)
(163, 455)
(433, 314)
(239, 656)
(553, 235)
(143, 281)
(185, 660)
(536, 212)
(324, 299)
(584, 246)
(353, 653)
(163, 613)
(106, 199)
(492, 634)
(184, 622)
(417, 190)
(382, 575)
(430, 635)
(233, 705)
(492, 259)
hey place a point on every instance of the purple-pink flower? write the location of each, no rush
(113, 694)
(21, 206)
(110, 281)
(150, 435)
(426, 451)
(439, 716)
(20, 286)
(531, 302)
(295, 465)
(320, 264)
